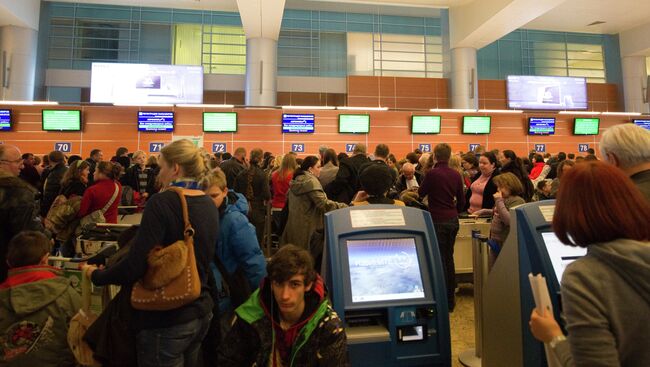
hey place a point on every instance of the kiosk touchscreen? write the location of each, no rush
(531, 247)
(383, 269)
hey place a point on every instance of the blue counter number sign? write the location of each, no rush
(218, 147)
(349, 148)
(63, 147)
(425, 148)
(298, 148)
(540, 148)
(473, 147)
(583, 148)
(155, 147)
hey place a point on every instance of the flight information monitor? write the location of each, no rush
(561, 255)
(546, 92)
(541, 126)
(5, 120)
(297, 123)
(644, 123)
(425, 124)
(155, 121)
(61, 120)
(476, 124)
(220, 122)
(354, 124)
(384, 270)
(586, 126)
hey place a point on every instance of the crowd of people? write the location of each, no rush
(253, 311)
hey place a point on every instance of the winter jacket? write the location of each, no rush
(97, 196)
(18, 212)
(131, 178)
(52, 187)
(237, 246)
(346, 184)
(231, 168)
(280, 188)
(307, 205)
(328, 173)
(606, 304)
(36, 303)
(537, 170)
(642, 181)
(320, 338)
(73, 187)
(500, 225)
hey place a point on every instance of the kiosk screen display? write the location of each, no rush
(297, 123)
(541, 126)
(643, 123)
(384, 270)
(220, 122)
(560, 254)
(586, 126)
(150, 121)
(5, 120)
(425, 124)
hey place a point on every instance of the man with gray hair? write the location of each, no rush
(18, 210)
(627, 146)
(409, 179)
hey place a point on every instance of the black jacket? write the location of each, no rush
(231, 168)
(73, 187)
(91, 174)
(400, 185)
(488, 192)
(18, 212)
(130, 178)
(52, 187)
(346, 184)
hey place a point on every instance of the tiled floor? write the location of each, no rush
(462, 323)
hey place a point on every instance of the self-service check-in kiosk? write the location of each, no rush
(384, 272)
(531, 247)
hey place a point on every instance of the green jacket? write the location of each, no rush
(320, 341)
(36, 304)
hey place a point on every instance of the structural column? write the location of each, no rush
(18, 47)
(635, 83)
(261, 71)
(464, 83)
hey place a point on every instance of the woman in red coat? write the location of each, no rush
(105, 189)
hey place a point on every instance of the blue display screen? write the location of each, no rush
(645, 123)
(541, 126)
(384, 270)
(5, 120)
(297, 123)
(155, 121)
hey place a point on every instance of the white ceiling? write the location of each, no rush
(575, 15)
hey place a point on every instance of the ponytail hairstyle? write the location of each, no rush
(109, 169)
(184, 153)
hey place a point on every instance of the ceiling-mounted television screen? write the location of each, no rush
(297, 123)
(425, 124)
(220, 122)
(541, 126)
(5, 120)
(531, 92)
(61, 120)
(476, 124)
(142, 84)
(586, 126)
(644, 123)
(155, 121)
(354, 124)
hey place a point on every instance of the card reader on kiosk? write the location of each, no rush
(531, 247)
(384, 273)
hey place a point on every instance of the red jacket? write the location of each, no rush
(280, 188)
(536, 171)
(97, 195)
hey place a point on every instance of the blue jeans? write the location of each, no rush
(175, 346)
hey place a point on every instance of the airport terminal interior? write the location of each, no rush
(411, 150)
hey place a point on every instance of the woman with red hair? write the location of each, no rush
(606, 293)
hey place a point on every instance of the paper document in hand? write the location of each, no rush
(543, 301)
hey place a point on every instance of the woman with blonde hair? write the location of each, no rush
(139, 177)
(171, 337)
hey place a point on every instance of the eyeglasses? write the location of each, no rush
(19, 160)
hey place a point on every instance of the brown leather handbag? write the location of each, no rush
(172, 279)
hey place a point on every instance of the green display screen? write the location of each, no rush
(586, 126)
(476, 124)
(355, 124)
(221, 122)
(61, 120)
(425, 124)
